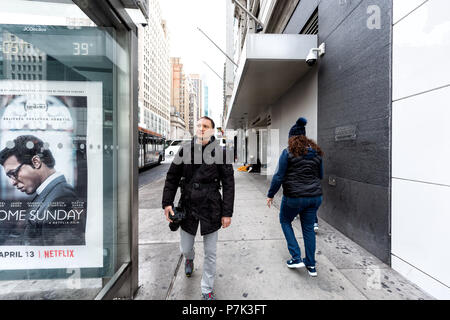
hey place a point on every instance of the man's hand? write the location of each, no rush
(226, 221)
(168, 209)
(269, 202)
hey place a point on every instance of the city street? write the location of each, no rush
(332, 98)
(251, 255)
(153, 174)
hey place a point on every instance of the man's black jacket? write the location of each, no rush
(201, 197)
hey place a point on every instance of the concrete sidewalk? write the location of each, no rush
(252, 254)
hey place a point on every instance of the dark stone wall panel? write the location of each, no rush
(333, 12)
(365, 159)
(358, 210)
(354, 89)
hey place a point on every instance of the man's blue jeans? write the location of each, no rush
(307, 208)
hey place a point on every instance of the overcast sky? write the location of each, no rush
(183, 17)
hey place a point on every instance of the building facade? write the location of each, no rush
(179, 97)
(186, 98)
(205, 100)
(176, 79)
(368, 104)
(193, 110)
(155, 73)
(197, 88)
(22, 60)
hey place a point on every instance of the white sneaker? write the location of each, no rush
(316, 227)
(295, 264)
(312, 271)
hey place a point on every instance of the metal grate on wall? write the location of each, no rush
(312, 26)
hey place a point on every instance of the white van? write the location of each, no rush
(173, 147)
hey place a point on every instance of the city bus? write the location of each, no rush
(151, 148)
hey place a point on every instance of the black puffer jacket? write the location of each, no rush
(201, 197)
(302, 178)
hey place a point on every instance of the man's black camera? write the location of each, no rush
(176, 218)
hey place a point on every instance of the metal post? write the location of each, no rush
(248, 12)
(217, 75)
(218, 47)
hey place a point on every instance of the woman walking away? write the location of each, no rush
(299, 171)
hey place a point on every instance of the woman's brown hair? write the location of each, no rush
(298, 146)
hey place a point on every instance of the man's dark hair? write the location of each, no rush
(208, 118)
(24, 154)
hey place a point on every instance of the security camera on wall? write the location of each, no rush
(311, 58)
(314, 53)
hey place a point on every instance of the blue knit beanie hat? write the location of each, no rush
(298, 129)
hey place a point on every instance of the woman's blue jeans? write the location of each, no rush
(307, 208)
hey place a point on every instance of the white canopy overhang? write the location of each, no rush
(270, 64)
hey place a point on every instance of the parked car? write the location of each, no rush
(174, 146)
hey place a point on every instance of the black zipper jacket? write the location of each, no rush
(201, 197)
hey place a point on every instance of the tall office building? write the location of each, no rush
(186, 98)
(178, 113)
(180, 99)
(197, 88)
(186, 89)
(177, 94)
(20, 60)
(176, 84)
(154, 72)
(205, 100)
(193, 108)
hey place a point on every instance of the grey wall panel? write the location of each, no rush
(302, 13)
(365, 159)
(358, 211)
(354, 89)
(333, 12)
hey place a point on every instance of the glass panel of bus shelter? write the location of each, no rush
(59, 81)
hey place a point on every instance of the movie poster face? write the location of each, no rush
(50, 175)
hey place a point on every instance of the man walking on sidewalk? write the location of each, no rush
(203, 167)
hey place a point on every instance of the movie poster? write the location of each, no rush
(51, 192)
